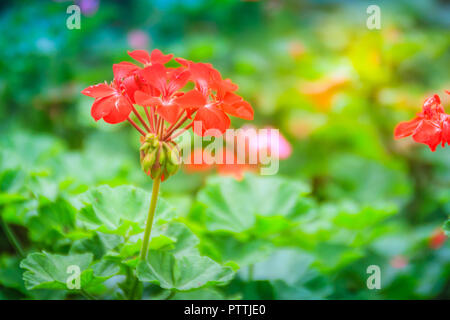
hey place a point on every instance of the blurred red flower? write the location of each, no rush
(437, 239)
(430, 127)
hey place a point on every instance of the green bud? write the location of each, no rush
(159, 157)
(149, 160)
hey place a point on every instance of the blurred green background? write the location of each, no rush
(334, 88)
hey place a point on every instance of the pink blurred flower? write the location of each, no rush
(399, 262)
(263, 141)
(138, 39)
(88, 7)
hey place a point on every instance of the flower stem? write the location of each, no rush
(11, 237)
(136, 126)
(140, 118)
(151, 214)
(175, 126)
(181, 131)
(150, 119)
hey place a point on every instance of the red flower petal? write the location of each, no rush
(191, 99)
(140, 55)
(178, 82)
(112, 109)
(211, 118)
(406, 128)
(102, 107)
(446, 131)
(169, 112)
(183, 62)
(146, 100)
(123, 69)
(158, 57)
(156, 76)
(241, 109)
(429, 133)
(428, 103)
(120, 111)
(99, 91)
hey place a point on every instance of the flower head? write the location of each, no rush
(161, 93)
(431, 126)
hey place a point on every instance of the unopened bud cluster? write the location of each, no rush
(160, 159)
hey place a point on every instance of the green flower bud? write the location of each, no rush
(159, 158)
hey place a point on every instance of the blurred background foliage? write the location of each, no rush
(348, 196)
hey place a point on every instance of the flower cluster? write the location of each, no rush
(161, 93)
(430, 127)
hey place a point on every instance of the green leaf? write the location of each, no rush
(52, 221)
(105, 269)
(351, 216)
(289, 265)
(233, 205)
(173, 236)
(11, 185)
(225, 248)
(50, 271)
(121, 210)
(99, 245)
(182, 273)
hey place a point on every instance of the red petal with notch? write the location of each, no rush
(140, 55)
(169, 112)
(158, 57)
(99, 91)
(192, 99)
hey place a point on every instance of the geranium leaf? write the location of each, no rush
(50, 271)
(182, 273)
(233, 205)
(121, 210)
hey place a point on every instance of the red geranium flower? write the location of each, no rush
(430, 127)
(110, 102)
(213, 98)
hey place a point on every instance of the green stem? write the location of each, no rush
(134, 286)
(151, 214)
(12, 238)
(251, 268)
(148, 230)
